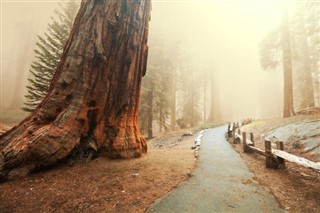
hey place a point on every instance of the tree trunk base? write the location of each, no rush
(92, 103)
(20, 157)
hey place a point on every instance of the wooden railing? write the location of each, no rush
(275, 158)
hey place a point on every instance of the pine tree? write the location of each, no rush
(48, 52)
(146, 103)
(304, 36)
(190, 89)
(310, 14)
(270, 50)
(155, 94)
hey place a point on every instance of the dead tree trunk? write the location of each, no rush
(93, 99)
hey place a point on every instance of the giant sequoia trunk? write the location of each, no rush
(93, 99)
(287, 65)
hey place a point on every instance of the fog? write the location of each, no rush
(224, 38)
(216, 36)
(21, 22)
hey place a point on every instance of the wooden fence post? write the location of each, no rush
(229, 130)
(244, 142)
(252, 138)
(269, 159)
(233, 131)
(281, 162)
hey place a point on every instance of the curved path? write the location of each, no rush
(220, 183)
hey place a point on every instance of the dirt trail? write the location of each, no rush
(220, 183)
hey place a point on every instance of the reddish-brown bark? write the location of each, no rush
(93, 98)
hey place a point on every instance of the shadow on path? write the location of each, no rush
(220, 183)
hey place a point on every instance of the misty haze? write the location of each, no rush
(85, 82)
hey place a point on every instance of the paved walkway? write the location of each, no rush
(220, 183)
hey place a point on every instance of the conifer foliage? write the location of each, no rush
(49, 48)
(155, 91)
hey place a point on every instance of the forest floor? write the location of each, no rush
(296, 188)
(104, 185)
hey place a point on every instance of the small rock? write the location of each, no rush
(193, 147)
(135, 175)
(187, 134)
(196, 153)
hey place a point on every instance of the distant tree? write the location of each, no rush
(310, 14)
(162, 101)
(288, 109)
(296, 46)
(175, 55)
(173, 105)
(155, 97)
(48, 53)
(302, 74)
(204, 88)
(308, 17)
(270, 50)
(146, 104)
(190, 107)
(214, 110)
(190, 87)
